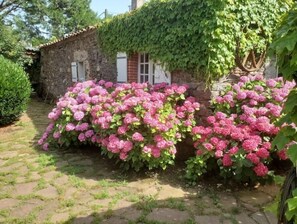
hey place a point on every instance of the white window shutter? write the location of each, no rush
(81, 71)
(122, 67)
(74, 71)
(161, 75)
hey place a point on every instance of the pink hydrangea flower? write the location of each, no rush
(137, 137)
(227, 161)
(123, 156)
(181, 90)
(147, 149)
(89, 133)
(233, 150)
(241, 95)
(253, 158)
(128, 146)
(211, 119)
(261, 170)
(81, 137)
(122, 130)
(79, 115)
(221, 145)
(57, 135)
(40, 141)
(263, 153)
(45, 146)
(282, 155)
(250, 145)
(208, 146)
(271, 83)
(70, 127)
(156, 152)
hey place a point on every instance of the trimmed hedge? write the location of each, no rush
(15, 91)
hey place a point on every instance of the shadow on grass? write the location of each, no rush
(150, 211)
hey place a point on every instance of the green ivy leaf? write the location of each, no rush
(292, 152)
(280, 141)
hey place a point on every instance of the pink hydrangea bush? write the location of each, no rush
(238, 136)
(136, 123)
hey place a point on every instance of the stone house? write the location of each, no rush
(76, 57)
(138, 67)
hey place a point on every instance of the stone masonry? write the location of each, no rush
(56, 59)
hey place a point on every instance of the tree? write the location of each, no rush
(31, 23)
(65, 16)
(11, 45)
(36, 21)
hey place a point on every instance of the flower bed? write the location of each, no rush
(136, 123)
(238, 136)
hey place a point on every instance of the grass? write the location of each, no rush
(73, 170)
(107, 183)
(29, 196)
(76, 182)
(60, 189)
(235, 211)
(102, 195)
(68, 203)
(175, 203)
(11, 161)
(4, 213)
(147, 203)
(96, 208)
(28, 219)
(134, 198)
(8, 178)
(143, 220)
(41, 184)
(4, 195)
(108, 214)
(117, 197)
(46, 160)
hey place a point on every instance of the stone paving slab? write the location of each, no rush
(208, 219)
(60, 217)
(260, 217)
(7, 203)
(244, 219)
(25, 188)
(271, 217)
(168, 215)
(49, 193)
(84, 220)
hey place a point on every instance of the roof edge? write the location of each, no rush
(67, 36)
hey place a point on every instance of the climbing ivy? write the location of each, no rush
(197, 36)
(285, 47)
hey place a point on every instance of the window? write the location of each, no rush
(151, 72)
(144, 68)
(78, 71)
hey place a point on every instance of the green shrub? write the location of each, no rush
(14, 91)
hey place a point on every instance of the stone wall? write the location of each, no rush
(200, 91)
(56, 62)
(197, 89)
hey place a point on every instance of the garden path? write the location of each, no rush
(79, 186)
